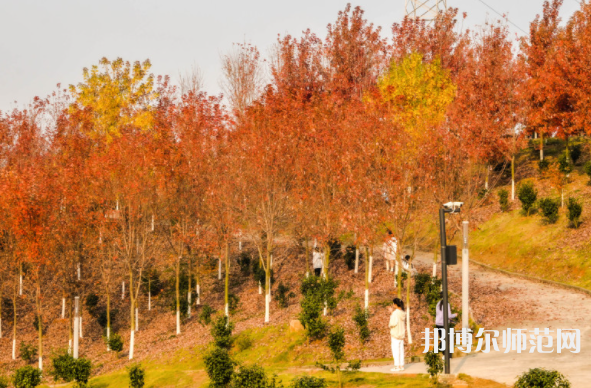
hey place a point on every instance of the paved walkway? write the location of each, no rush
(563, 308)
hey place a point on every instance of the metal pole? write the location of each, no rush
(465, 278)
(444, 286)
(76, 327)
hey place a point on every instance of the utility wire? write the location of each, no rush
(503, 16)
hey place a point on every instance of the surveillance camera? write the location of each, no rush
(453, 207)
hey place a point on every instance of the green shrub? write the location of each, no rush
(564, 165)
(253, 377)
(27, 377)
(433, 290)
(575, 153)
(308, 382)
(574, 210)
(170, 293)
(482, 193)
(4, 382)
(543, 165)
(361, 319)
(233, 302)
(528, 195)
(36, 324)
(244, 263)
(136, 376)
(350, 257)
(151, 282)
(102, 317)
(115, 342)
(91, 301)
(205, 315)
(587, 170)
(336, 344)
(335, 248)
(434, 364)
(316, 291)
(541, 378)
(283, 295)
(27, 352)
(549, 208)
(82, 369)
(219, 367)
(504, 200)
(244, 341)
(421, 282)
(258, 273)
(63, 367)
(221, 331)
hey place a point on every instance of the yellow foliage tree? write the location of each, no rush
(417, 93)
(115, 94)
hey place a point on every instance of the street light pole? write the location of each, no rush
(444, 285)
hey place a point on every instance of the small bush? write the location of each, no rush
(543, 165)
(151, 282)
(361, 319)
(82, 369)
(575, 153)
(308, 382)
(541, 378)
(36, 324)
(587, 170)
(258, 273)
(27, 352)
(336, 343)
(63, 367)
(283, 295)
(244, 341)
(221, 331)
(27, 377)
(253, 377)
(504, 200)
(549, 208)
(219, 367)
(528, 195)
(233, 302)
(205, 315)
(244, 263)
(350, 257)
(564, 164)
(433, 289)
(102, 317)
(4, 382)
(482, 193)
(434, 364)
(91, 301)
(421, 282)
(574, 211)
(136, 376)
(316, 292)
(115, 342)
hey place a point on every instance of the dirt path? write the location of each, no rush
(555, 308)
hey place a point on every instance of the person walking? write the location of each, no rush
(317, 261)
(390, 249)
(439, 324)
(397, 331)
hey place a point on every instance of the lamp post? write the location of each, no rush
(448, 256)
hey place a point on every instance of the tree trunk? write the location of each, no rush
(20, 275)
(149, 293)
(486, 177)
(408, 283)
(178, 295)
(307, 257)
(513, 178)
(14, 327)
(131, 315)
(190, 289)
(541, 146)
(108, 320)
(356, 259)
(63, 307)
(40, 327)
(226, 285)
(122, 290)
(435, 260)
(366, 278)
(70, 329)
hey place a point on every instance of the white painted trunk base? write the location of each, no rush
(149, 302)
(325, 308)
(14, 349)
(267, 308)
(63, 308)
(227, 310)
(137, 319)
(76, 338)
(70, 346)
(370, 267)
(80, 325)
(122, 290)
(178, 322)
(20, 286)
(78, 271)
(220, 269)
(408, 325)
(434, 269)
(356, 260)
(189, 300)
(131, 344)
(260, 289)
(108, 338)
(40, 363)
(198, 295)
(366, 299)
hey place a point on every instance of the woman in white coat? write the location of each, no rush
(397, 331)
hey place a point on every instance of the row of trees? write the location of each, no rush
(352, 135)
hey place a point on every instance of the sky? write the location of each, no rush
(46, 42)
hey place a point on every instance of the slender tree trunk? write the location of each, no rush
(178, 295)
(226, 285)
(40, 326)
(122, 290)
(366, 278)
(20, 276)
(108, 319)
(14, 299)
(399, 269)
(356, 258)
(190, 290)
(150, 293)
(486, 177)
(435, 260)
(198, 289)
(132, 318)
(307, 257)
(70, 328)
(541, 145)
(513, 178)
(370, 264)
